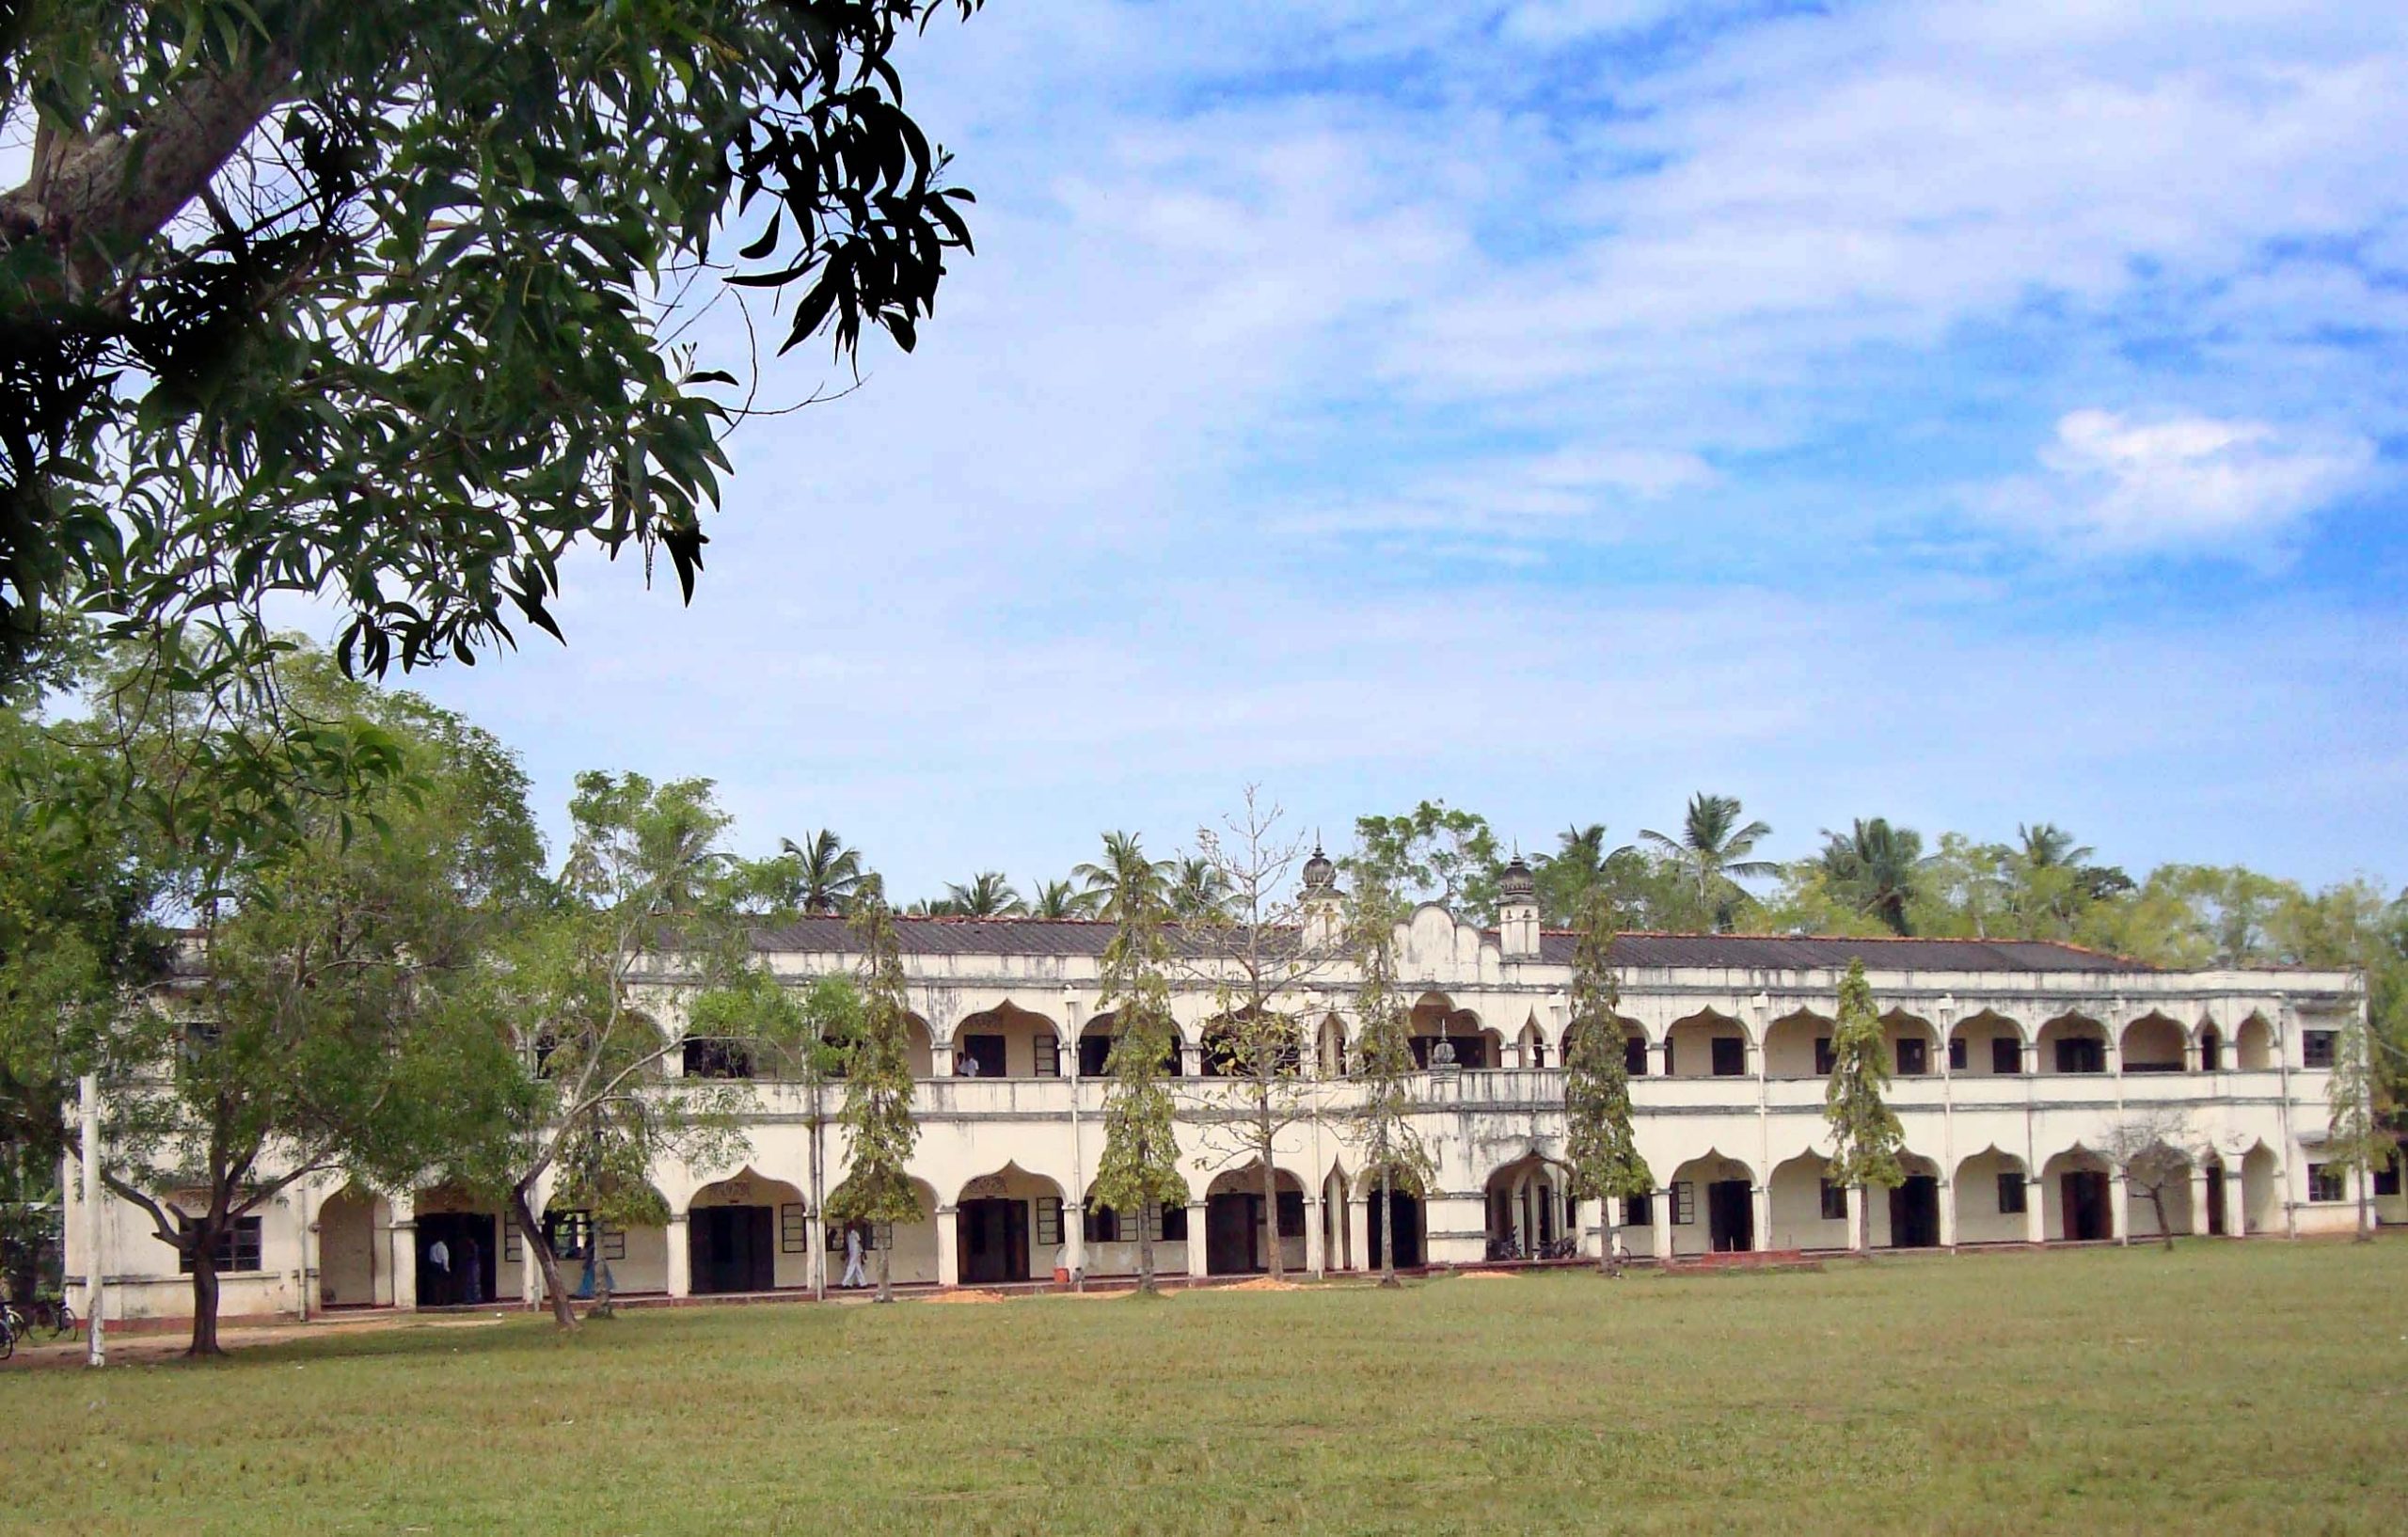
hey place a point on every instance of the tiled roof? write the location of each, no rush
(1070, 937)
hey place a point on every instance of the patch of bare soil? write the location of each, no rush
(1485, 1274)
(967, 1296)
(1263, 1283)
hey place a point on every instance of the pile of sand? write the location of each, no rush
(967, 1296)
(1485, 1274)
(1262, 1283)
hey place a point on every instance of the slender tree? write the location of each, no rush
(880, 1132)
(1433, 853)
(1866, 1137)
(1879, 868)
(1061, 899)
(2354, 1134)
(1382, 1123)
(2146, 1148)
(1138, 1174)
(1123, 876)
(1712, 854)
(1599, 1145)
(826, 872)
(988, 894)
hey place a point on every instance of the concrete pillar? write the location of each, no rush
(2119, 1207)
(1859, 1231)
(1191, 1060)
(2036, 1211)
(681, 1258)
(2236, 1203)
(1596, 1219)
(1763, 1197)
(1947, 1214)
(405, 1254)
(1314, 1260)
(1074, 1239)
(1660, 1207)
(941, 1057)
(948, 1248)
(1195, 1238)
(814, 1228)
(2200, 1178)
(1655, 1059)
(2031, 1059)
(1358, 1233)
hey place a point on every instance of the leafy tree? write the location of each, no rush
(1712, 852)
(1599, 1145)
(1866, 1134)
(324, 1023)
(1198, 890)
(1433, 853)
(2355, 1134)
(2146, 1148)
(880, 1132)
(1382, 1124)
(1138, 1174)
(987, 895)
(1876, 867)
(1061, 899)
(273, 271)
(828, 873)
(1124, 878)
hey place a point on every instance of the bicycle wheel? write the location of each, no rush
(8, 1341)
(62, 1322)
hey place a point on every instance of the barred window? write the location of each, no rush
(237, 1247)
(1834, 1202)
(1049, 1221)
(794, 1232)
(2010, 1193)
(2327, 1183)
(1684, 1203)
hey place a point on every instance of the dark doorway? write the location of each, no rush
(466, 1271)
(2215, 1201)
(1730, 1216)
(1914, 1213)
(994, 1241)
(731, 1248)
(2084, 1195)
(1404, 1215)
(1232, 1234)
(982, 1056)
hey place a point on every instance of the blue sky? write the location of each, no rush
(1966, 413)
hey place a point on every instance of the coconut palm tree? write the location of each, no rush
(2046, 846)
(1570, 876)
(988, 895)
(1197, 889)
(1124, 882)
(831, 873)
(1875, 867)
(1712, 853)
(1061, 899)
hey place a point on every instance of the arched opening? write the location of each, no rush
(1713, 1206)
(2152, 1044)
(911, 1247)
(1993, 1192)
(919, 1047)
(1329, 1047)
(630, 1259)
(1705, 1045)
(1799, 1045)
(2213, 1058)
(352, 1271)
(2218, 1215)
(1986, 1045)
(1233, 1046)
(2075, 1194)
(1006, 1042)
(1907, 1215)
(2253, 1045)
(1442, 1034)
(1338, 1220)
(1095, 1048)
(1112, 1237)
(1008, 1228)
(1239, 1232)
(1634, 1045)
(747, 1233)
(459, 1247)
(2072, 1043)
(1808, 1212)
(1407, 1217)
(1913, 1044)
(2261, 1190)
(1530, 1047)
(1531, 1216)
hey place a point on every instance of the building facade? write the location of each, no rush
(2015, 1067)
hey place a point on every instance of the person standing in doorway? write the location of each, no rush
(855, 1277)
(472, 1273)
(438, 1254)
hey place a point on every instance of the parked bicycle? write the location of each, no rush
(55, 1315)
(7, 1333)
(1504, 1250)
(1566, 1247)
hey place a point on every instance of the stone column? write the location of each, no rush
(948, 1248)
(1074, 1239)
(2035, 1210)
(1195, 1238)
(402, 1247)
(1660, 1208)
(1358, 1234)
(1655, 1058)
(2236, 1202)
(681, 1258)
(1191, 1059)
(2119, 1208)
(1947, 1214)
(1762, 1195)
(2200, 1179)
(940, 1057)
(1314, 1260)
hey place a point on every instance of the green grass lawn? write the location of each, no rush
(2237, 1388)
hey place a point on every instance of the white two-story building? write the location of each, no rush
(2016, 1066)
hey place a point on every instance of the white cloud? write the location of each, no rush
(2117, 484)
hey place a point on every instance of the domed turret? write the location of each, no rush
(1517, 880)
(1321, 872)
(1518, 910)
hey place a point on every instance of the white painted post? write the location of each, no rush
(681, 1258)
(2035, 1210)
(1314, 1258)
(88, 1094)
(2236, 1203)
(2119, 1207)
(948, 1246)
(1948, 1213)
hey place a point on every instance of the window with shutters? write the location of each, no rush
(2387, 1179)
(794, 1231)
(1638, 1211)
(2006, 1056)
(2011, 1190)
(1170, 1223)
(1048, 1056)
(614, 1243)
(237, 1247)
(1100, 1223)
(1684, 1203)
(511, 1249)
(1834, 1202)
(569, 1234)
(1634, 1057)
(1958, 1055)
(1292, 1214)
(1823, 1058)
(1049, 1221)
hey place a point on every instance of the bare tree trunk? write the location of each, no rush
(1605, 1235)
(204, 1293)
(530, 1232)
(1859, 1235)
(1387, 1230)
(2157, 1205)
(1263, 1133)
(885, 1270)
(1145, 1247)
